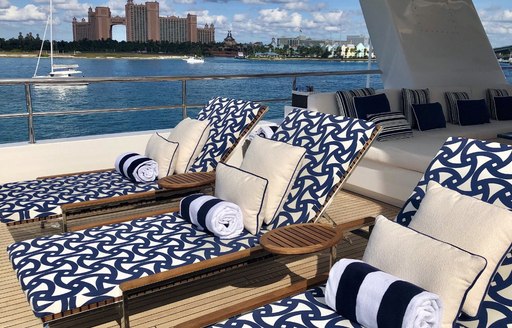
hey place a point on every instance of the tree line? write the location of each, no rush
(31, 43)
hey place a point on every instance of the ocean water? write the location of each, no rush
(121, 95)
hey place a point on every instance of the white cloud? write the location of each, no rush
(27, 14)
(497, 22)
(4, 4)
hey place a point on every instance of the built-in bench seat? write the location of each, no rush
(391, 168)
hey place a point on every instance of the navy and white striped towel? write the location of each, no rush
(373, 298)
(136, 167)
(266, 131)
(223, 219)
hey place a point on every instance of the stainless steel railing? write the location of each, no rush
(30, 114)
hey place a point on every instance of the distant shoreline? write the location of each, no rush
(118, 55)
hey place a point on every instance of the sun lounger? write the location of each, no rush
(63, 274)
(472, 167)
(230, 120)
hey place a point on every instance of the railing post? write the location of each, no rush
(184, 99)
(30, 121)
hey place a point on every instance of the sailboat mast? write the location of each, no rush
(51, 36)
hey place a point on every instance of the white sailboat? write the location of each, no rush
(56, 70)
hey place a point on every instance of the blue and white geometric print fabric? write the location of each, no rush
(228, 118)
(305, 310)
(41, 198)
(63, 272)
(475, 168)
(331, 143)
(482, 170)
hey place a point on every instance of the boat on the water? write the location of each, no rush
(57, 71)
(240, 55)
(194, 60)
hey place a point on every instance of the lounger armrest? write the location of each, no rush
(188, 271)
(191, 180)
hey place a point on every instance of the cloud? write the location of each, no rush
(4, 4)
(497, 23)
(27, 14)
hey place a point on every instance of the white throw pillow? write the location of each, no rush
(431, 264)
(279, 163)
(245, 189)
(191, 135)
(470, 224)
(163, 152)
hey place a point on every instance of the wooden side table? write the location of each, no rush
(302, 239)
(187, 180)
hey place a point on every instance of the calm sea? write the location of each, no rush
(121, 95)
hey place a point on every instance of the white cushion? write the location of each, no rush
(163, 152)
(191, 135)
(433, 265)
(245, 189)
(279, 163)
(470, 224)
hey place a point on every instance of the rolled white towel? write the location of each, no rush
(222, 218)
(266, 131)
(136, 167)
(373, 298)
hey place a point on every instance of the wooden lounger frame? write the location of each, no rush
(107, 204)
(141, 287)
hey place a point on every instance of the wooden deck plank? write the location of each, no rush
(212, 293)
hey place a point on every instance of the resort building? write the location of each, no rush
(143, 23)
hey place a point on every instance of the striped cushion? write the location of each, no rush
(451, 100)
(491, 93)
(411, 97)
(345, 100)
(394, 126)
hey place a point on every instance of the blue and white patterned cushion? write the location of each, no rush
(62, 272)
(228, 118)
(42, 198)
(97, 260)
(331, 143)
(482, 170)
(304, 310)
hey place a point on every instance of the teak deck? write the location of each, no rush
(201, 302)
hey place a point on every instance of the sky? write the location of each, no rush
(249, 20)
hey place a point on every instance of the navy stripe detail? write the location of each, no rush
(123, 160)
(185, 206)
(394, 303)
(130, 170)
(348, 288)
(203, 211)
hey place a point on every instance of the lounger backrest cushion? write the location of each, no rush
(228, 119)
(332, 143)
(478, 169)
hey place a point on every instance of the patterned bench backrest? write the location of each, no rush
(482, 170)
(228, 120)
(332, 144)
(472, 167)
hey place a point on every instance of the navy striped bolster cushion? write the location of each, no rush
(394, 125)
(362, 293)
(136, 167)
